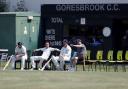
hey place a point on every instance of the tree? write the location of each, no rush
(21, 6)
(3, 6)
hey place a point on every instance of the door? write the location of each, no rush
(34, 34)
(29, 34)
(24, 35)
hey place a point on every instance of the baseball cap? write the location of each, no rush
(19, 43)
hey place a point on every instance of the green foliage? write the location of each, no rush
(21, 6)
(3, 5)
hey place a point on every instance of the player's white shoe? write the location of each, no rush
(39, 68)
(22, 69)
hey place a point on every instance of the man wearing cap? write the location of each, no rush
(20, 54)
(65, 55)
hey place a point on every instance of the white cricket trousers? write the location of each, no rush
(23, 58)
(34, 58)
(57, 59)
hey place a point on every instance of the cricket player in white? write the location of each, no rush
(20, 54)
(65, 55)
(46, 53)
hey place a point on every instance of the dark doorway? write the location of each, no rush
(119, 34)
(120, 26)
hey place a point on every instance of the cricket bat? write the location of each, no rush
(46, 64)
(7, 63)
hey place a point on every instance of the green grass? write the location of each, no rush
(62, 80)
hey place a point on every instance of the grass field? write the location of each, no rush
(62, 80)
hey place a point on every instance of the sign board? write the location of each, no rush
(82, 8)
